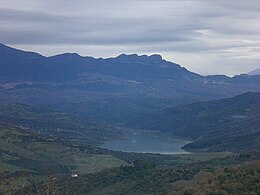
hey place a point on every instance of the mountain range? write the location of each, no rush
(21, 65)
(113, 90)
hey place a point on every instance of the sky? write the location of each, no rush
(205, 36)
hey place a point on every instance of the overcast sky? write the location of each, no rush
(205, 36)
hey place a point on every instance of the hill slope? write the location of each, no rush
(51, 122)
(255, 72)
(229, 124)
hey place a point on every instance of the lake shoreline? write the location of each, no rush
(154, 142)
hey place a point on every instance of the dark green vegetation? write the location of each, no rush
(145, 177)
(26, 156)
(231, 124)
(118, 110)
(51, 122)
(237, 179)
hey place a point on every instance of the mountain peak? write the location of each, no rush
(127, 56)
(156, 57)
(67, 55)
(13, 52)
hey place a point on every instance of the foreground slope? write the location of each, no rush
(226, 124)
(26, 151)
(37, 142)
(233, 180)
(144, 177)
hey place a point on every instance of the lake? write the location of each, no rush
(147, 142)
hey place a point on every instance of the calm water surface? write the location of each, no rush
(147, 142)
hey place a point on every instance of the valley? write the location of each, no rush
(132, 124)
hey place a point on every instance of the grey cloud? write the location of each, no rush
(85, 30)
(226, 28)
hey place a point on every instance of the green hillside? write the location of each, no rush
(48, 121)
(26, 156)
(227, 124)
(144, 177)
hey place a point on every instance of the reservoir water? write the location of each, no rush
(147, 142)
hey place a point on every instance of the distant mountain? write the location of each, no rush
(254, 72)
(226, 124)
(127, 86)
(20, 65)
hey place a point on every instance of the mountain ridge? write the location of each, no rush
(211, 123)
(32, 60)
(254, 72)
(35, 66)
(139, 83)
